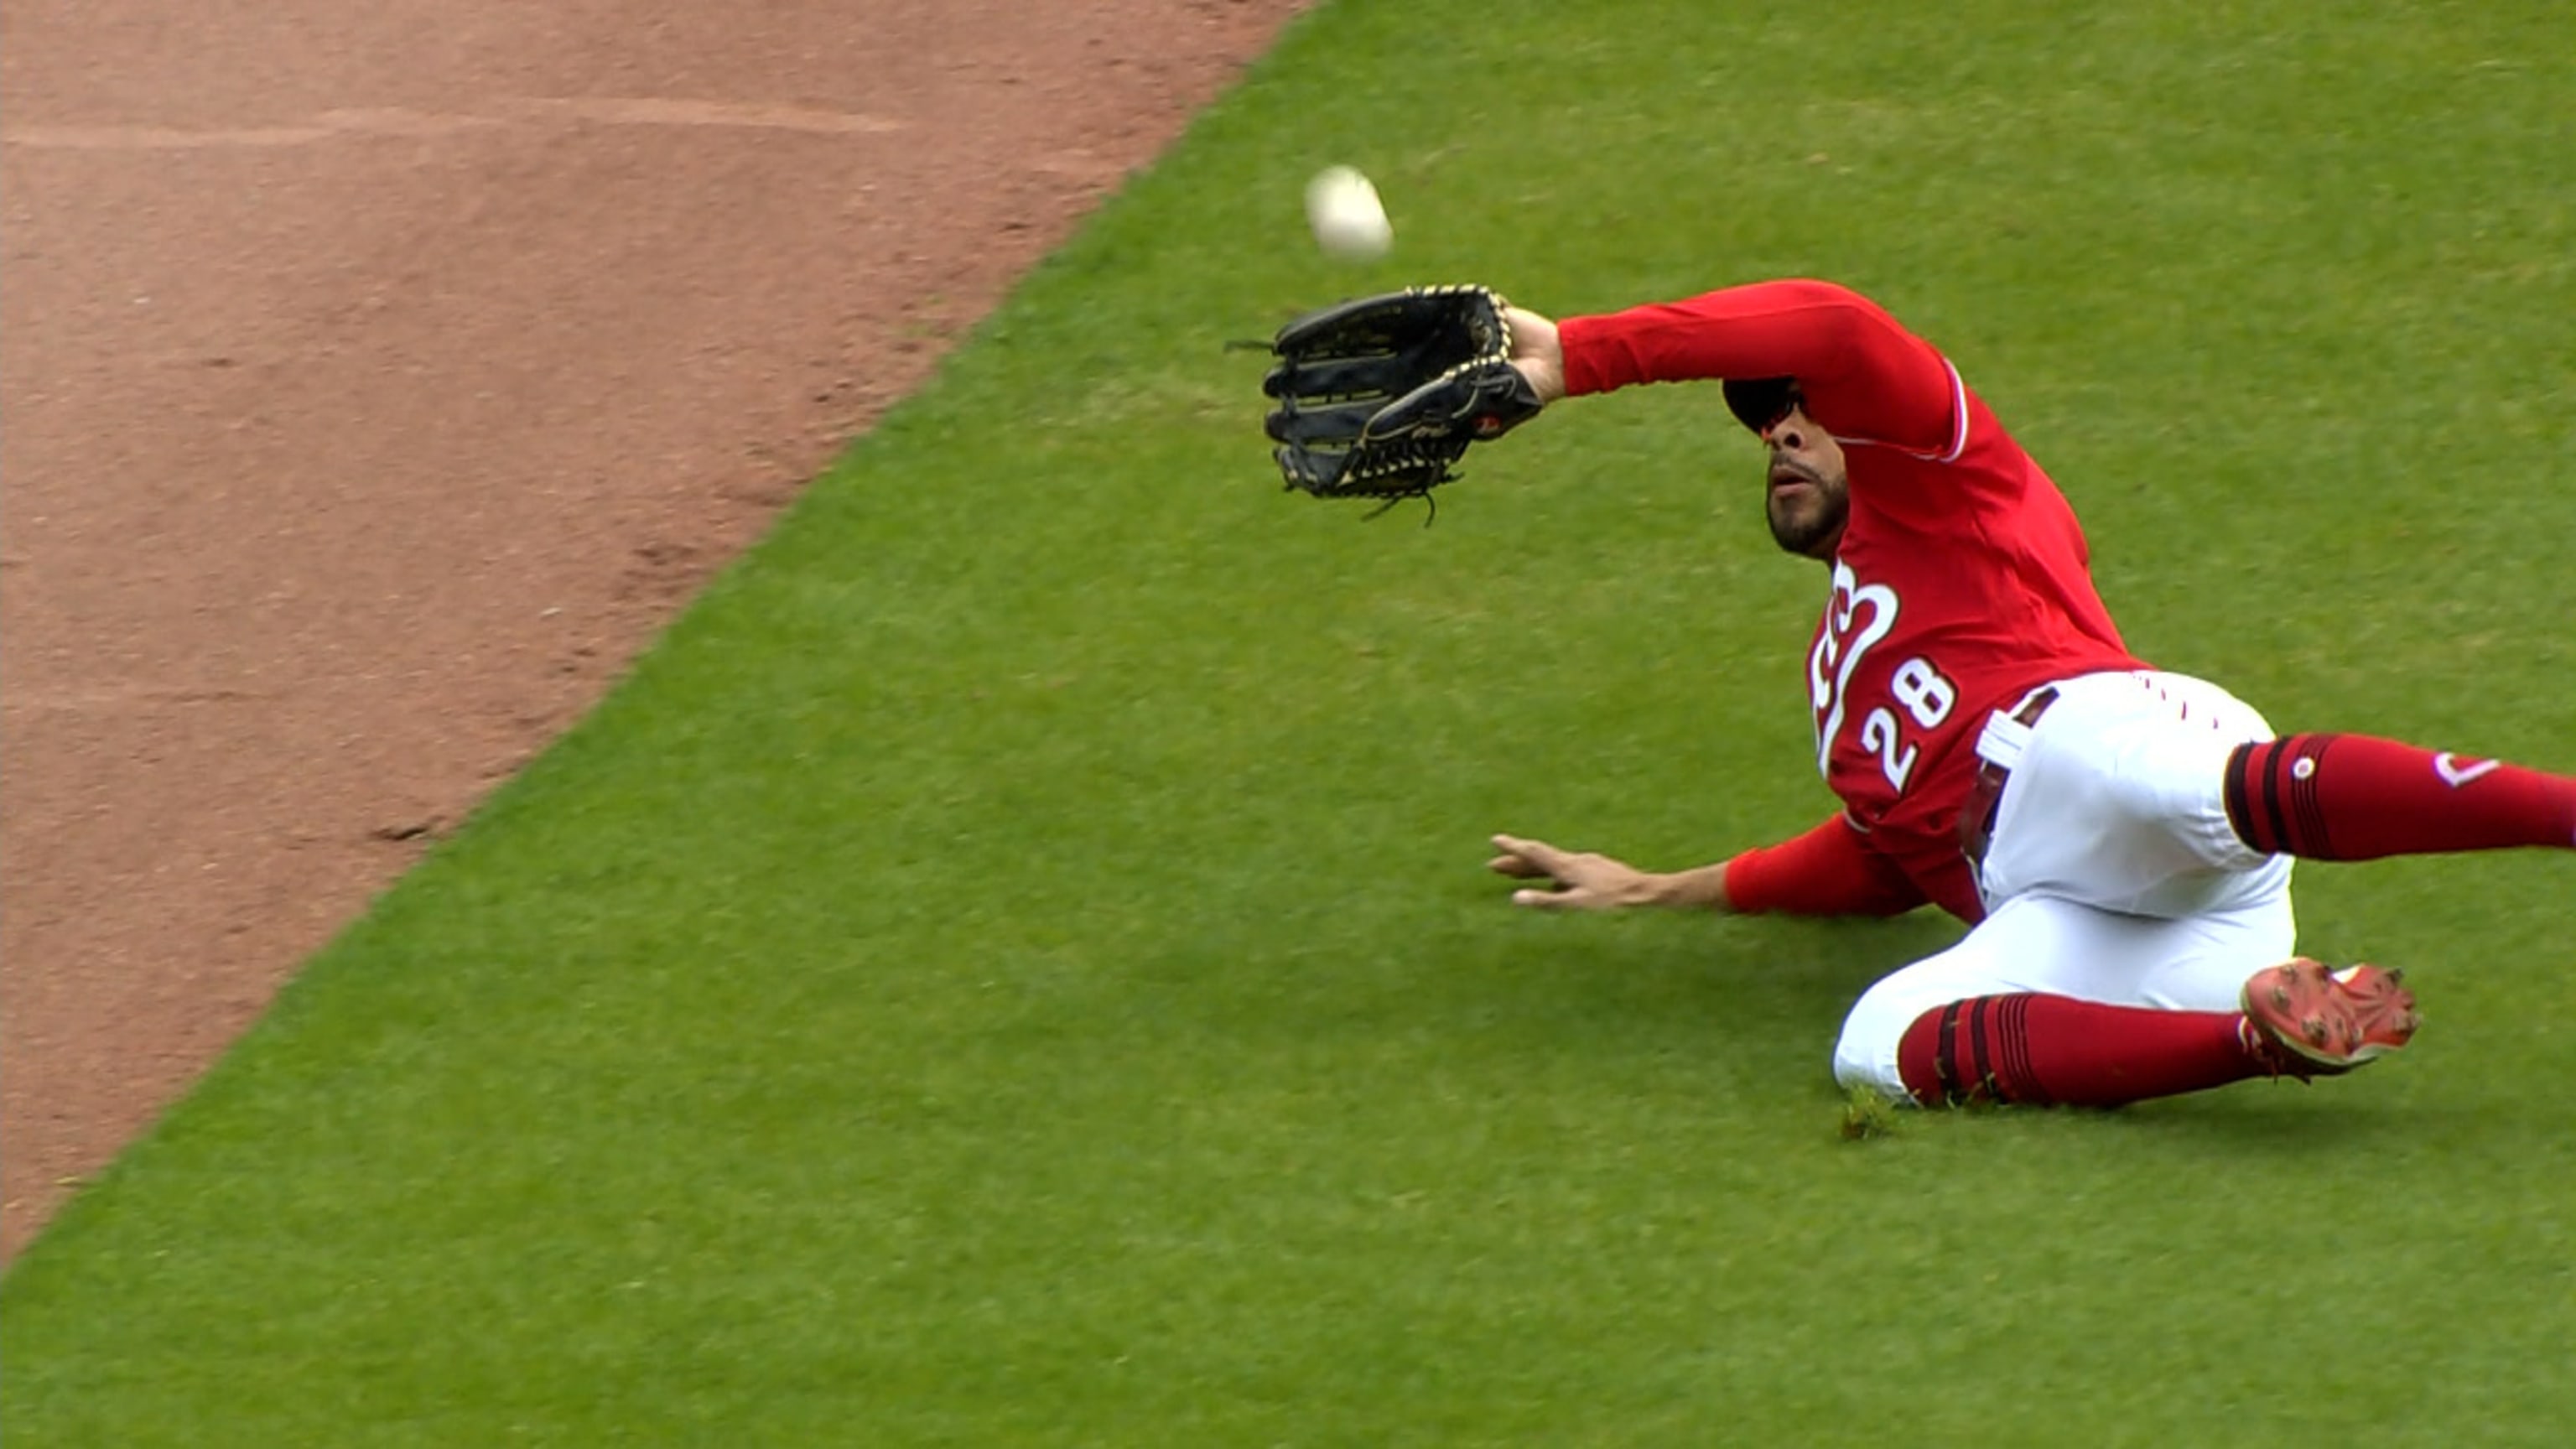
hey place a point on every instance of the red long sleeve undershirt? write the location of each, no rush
(1829, 871)
(1862, 373)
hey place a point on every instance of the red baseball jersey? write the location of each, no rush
(1961, 582)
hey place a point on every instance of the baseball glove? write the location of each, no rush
(1379, 397)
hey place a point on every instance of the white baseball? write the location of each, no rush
(1349, 221)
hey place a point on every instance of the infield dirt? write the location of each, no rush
(380, 378)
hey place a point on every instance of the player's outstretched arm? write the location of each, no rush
(1537, 353)
(1829, 871)
(1587, 881)
(1860, 371)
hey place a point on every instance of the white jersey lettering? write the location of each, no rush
(1847, 636)
(1857, 618)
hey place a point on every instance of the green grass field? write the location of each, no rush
(1014, 966)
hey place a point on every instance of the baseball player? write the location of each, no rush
(2120, 838)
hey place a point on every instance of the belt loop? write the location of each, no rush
(1999, 749)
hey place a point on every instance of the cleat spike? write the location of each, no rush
(2307, 1020)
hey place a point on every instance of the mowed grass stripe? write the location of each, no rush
(1012, 967)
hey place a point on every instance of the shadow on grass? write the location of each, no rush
(1755, 975)
(2282, 1117)
(2254, 1120)
(1764, 1000)
(1781, 988)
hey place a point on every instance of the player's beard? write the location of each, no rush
(1807, 520)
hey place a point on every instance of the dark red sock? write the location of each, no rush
(2352, 797)
(2044, 1050)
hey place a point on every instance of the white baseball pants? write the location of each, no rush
(2113, 874)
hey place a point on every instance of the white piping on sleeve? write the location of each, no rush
(1959, 408)
(1958, 429)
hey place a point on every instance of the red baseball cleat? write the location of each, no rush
(2312, 1022)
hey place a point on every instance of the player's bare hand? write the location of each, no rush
(1537, 352)
(1577, 880)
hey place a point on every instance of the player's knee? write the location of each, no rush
(1865, 1053)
